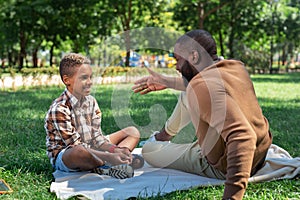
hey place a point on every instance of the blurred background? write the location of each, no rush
(35, 34)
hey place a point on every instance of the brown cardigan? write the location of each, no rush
(230, 126)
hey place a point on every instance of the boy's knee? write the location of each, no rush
(133, 131)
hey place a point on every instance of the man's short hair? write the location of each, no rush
(200, 37)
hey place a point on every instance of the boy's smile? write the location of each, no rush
(80, 83)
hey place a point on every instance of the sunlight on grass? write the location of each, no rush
(279, 97)
(25, 166)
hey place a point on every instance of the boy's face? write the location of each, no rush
(80, 83)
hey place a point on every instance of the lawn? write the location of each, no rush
(23, 161)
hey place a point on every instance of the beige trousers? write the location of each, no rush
(180, 116)
(184, 157)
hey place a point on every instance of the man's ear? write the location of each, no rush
(195, 57)
(66, 80)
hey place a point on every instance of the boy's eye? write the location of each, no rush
(84, 77)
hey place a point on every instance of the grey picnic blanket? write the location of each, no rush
(149, 181)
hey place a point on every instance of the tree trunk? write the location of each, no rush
(51, 55)
(127, 44)
(10, 57)
(231, 31)
(221, 42)
(22, 54)
(35, 58)
(201, 15)
(283, 57)
(127, 34)
(271, 56)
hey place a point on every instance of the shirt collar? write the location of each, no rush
(74, 101)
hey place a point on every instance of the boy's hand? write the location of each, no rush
(123, 150)
(119, 158)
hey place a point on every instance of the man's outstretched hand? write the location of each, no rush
(153, 82)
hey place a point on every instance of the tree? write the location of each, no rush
(75, 21)
(290, 39)
(8, 33)
(200, 14)
(234, 23)
(186, 10)
(14, 28)
(131, 14)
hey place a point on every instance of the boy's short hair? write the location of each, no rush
(70, 62)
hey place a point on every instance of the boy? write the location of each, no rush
(73, 125)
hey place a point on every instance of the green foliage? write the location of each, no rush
(127, 71)
(12, 71)
(254, 60)
(115, 71)
(41, 70)
(25, 166)
(30, 28)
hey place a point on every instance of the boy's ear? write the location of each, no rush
(66, 80)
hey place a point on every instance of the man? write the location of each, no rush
(232, 133)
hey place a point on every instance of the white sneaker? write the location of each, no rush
(151, 139)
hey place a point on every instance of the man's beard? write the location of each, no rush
(188, 71)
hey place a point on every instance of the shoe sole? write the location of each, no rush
(121, 173)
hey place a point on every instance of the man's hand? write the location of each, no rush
(147, 84)
(163, 136)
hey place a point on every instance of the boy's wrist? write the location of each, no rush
(112, 148)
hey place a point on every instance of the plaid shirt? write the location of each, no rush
(70, 122)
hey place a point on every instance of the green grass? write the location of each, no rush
(23, 161)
